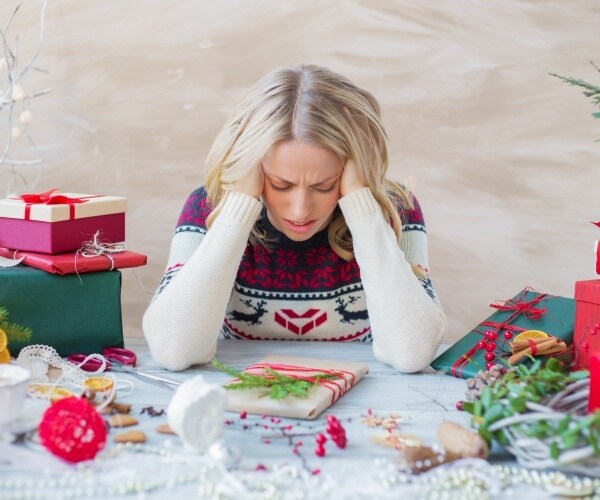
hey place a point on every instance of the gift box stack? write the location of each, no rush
(67, 287)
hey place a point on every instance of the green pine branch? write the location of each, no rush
(276, 385)
(590, 90)
(14, 332)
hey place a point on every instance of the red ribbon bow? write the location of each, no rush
(47, 198)
(519, 306)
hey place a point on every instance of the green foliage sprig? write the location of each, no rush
(14, 332)
(590, 90)
(521, 385)
(277, 385)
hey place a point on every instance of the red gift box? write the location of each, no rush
(70, 263)
(586, 338)
(594, 397)
(56, 223)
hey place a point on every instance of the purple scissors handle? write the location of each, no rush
(120, 355)
(91, 365)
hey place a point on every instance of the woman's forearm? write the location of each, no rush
(182, 323)
(406, 323)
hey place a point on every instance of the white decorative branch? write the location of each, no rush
(16, 95)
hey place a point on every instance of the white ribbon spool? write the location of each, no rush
(195, 413)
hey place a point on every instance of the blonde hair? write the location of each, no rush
(314, 105)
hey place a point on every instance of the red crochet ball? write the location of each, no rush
(72, 429)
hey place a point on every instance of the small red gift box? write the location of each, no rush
(72, 262)
(586, 337)
(56, 223)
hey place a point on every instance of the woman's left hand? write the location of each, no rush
(352, 179)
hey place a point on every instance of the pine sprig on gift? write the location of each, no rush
(14, 332)
(522, 391)
(278, 386)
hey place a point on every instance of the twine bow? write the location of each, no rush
(96, 247)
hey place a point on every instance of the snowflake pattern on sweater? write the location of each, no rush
(291, 290)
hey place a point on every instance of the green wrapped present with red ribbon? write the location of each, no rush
(73, 314)
(488, 342)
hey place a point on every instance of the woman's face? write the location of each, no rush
(302, 187)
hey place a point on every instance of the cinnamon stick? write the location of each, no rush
(561, 346)
(541, 348)
(522, 344)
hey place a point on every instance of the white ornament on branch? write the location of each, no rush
(18, 93)
(26, 117)
(15, 96)
(16, 132)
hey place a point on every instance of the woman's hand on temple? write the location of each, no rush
(252, 183)
(352, 179)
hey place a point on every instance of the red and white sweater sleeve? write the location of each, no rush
(407, 321)
(183, 321)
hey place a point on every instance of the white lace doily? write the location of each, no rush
(39, 358)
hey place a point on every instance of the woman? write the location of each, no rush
(297, 234)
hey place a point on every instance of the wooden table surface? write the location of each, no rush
(421, 400)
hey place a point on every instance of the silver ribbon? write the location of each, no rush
(4, 262)
(96, 247)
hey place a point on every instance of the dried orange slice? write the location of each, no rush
(530, 334)
(46, 391)
(4, 355)
(99, 384)
(3, 340)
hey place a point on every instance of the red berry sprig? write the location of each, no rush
(336, 432)
(320, 446)
(489, 344)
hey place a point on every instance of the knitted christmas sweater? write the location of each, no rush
(218, 283)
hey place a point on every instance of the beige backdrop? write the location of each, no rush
(504, 157)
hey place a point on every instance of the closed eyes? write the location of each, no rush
(287, 188)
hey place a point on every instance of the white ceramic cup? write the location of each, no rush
(13, 390)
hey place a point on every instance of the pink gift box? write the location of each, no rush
(50, 227)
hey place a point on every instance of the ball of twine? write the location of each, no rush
(195, 413)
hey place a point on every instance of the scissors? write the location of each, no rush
(118, 359)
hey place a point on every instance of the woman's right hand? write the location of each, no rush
(251, 183)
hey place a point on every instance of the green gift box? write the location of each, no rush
(528, 310)
(73, 314)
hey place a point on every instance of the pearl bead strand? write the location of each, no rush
(111, 475)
